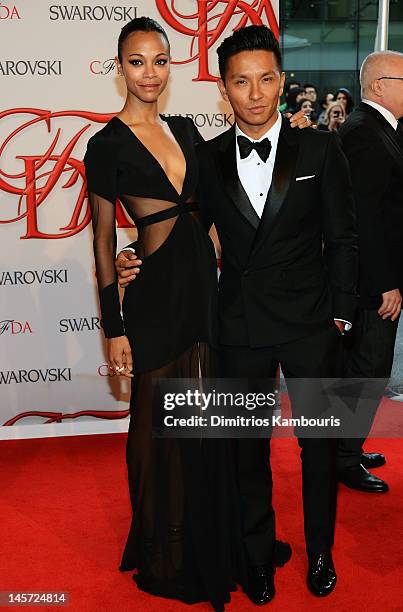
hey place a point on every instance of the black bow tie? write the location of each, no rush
(246, 146)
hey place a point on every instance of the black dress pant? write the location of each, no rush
(318, 355)
(368, 353)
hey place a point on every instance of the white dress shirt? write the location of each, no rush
(384, 111)
(255, 174)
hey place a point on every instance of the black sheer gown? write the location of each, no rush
(184, 540)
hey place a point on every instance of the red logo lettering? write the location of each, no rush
(41, 173)
(9, 12)
(211, 19)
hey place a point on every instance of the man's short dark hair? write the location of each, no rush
(251, 38)
(290, 84)
(310, 85)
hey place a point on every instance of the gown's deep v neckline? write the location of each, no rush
(178, 140)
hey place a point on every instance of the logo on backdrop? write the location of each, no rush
(32, 277)
(103, 370)
(217, 120)
(13, 327)
(7, 377)
(31, 68)
(79, 325)
(39, 176)
(9, 11)
(211, 22)
(102, 67)
(91, 13)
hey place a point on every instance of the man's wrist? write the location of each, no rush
(347, 324)
(128, 249)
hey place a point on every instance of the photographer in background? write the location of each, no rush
(324, 103)
(335, 116)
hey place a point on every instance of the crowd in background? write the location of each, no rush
(327, 113)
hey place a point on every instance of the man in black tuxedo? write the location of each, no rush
(282, 205)
(372, 140)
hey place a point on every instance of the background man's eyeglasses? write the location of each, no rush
(391, 78)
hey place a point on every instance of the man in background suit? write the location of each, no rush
(282, 205)
(372, 140)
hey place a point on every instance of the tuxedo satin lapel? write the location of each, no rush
(385, 131)
(283, 173)
(232, 184)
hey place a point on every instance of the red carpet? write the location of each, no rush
(65, 515)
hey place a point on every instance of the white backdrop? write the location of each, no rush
(58, 87)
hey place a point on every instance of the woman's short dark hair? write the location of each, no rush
(350, 101)
(251, 38)
(292, 98)
(140, 24)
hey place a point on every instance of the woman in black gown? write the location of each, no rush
(185, 540)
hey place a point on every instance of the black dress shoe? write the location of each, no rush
(358, 478)
(260, 584)
(321, 578)
(282, 553)
(372, 460)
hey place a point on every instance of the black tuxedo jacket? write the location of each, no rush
(375, 156)
(293, 271)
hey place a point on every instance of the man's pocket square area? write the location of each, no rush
(304, 178)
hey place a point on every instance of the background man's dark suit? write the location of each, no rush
(280, 289)
(375, 154)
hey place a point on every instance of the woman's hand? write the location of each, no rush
(120, 356)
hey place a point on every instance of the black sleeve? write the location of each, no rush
(100, 170)
(132, 245)
(340, 245)
(370, 173)
(203, 192)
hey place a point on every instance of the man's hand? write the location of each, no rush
(299, 120)
(391, 305)
(127, 266)
(340, 326)
(120, 356)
